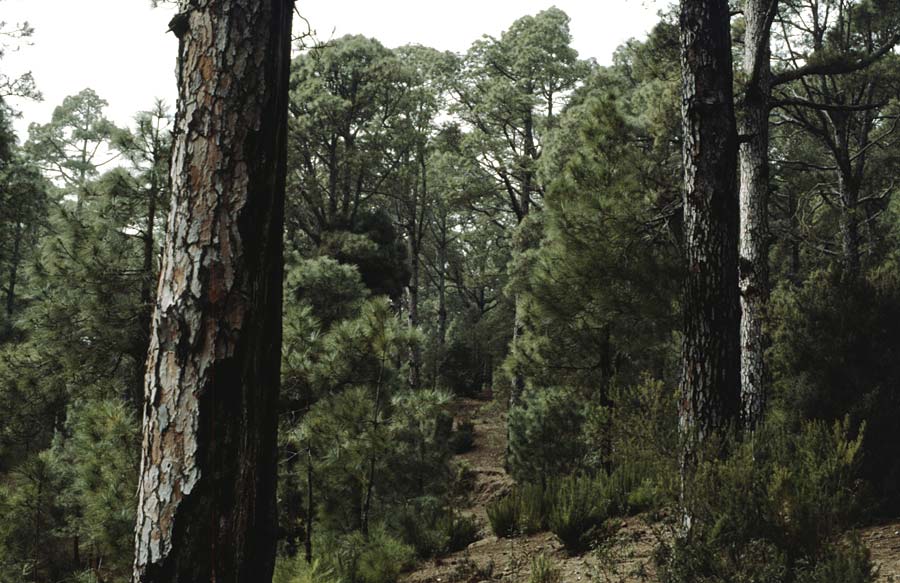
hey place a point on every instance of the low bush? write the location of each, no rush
(631, 488)
(503, 514)
(572, 507)
(776, 509)
(463, 439)
(459, 532)
(380, 558)
(535, 503)
(543, 570)
(578, 512)
(432, 530)
(383, 559)
(296, 570)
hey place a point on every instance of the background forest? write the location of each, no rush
(502, 226)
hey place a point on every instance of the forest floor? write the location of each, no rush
(627, 556)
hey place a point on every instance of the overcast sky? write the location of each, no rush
(120, 47)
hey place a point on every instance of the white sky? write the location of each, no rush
(120, 47)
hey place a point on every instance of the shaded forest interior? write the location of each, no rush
(519, 304)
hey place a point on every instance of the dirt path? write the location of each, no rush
(627, 557)
(884, 544)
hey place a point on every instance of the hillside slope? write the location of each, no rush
(627, 557)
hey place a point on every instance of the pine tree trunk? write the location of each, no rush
(310, 508)
(849, 227)
(754, 201)
(145, 318)
(710, 390)
(521, 246)
(14, 263)
(206, 501)
(794, 265)
(415, 352)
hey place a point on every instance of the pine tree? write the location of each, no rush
(206, 501)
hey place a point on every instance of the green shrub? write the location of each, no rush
(848, 563)
(546, 435)
(775, 510)
(523, 511)
(355, 559)
(296, 570)
(503, 514)
(383, 559)
(543, 570)
(836, 353)
(432, 529)
(574, 507)
(416, 525)
(459, 532)
(534, 502)
(578, 512)
(463, 439)
(624, 482)
(646, 496)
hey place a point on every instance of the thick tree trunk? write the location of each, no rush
(710, 390)
(206, 501)
(754, 202)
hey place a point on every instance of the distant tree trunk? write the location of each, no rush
(310, 507)
(606, 366)
(521, 247)
(710, 387)
(851, 248)
(442, 299)
(439, 280)
(370, 474)
(794, 265)
(754, 203)
(206, 500)
(14, 262)
(415, 356)
(145, 318)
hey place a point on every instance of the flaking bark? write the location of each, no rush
(206, 500)
(710, 391)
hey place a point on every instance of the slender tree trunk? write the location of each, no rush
(606, 374)
(370, 478)
(415, 356)
(442, 298)
(206, 500)
(849, 226)
(442, 312)
(794, 242)
(37, 547)
(754, 203)
(14, 263)
(145, 318)
(710, 387)
(310, 507)
(521, 246)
